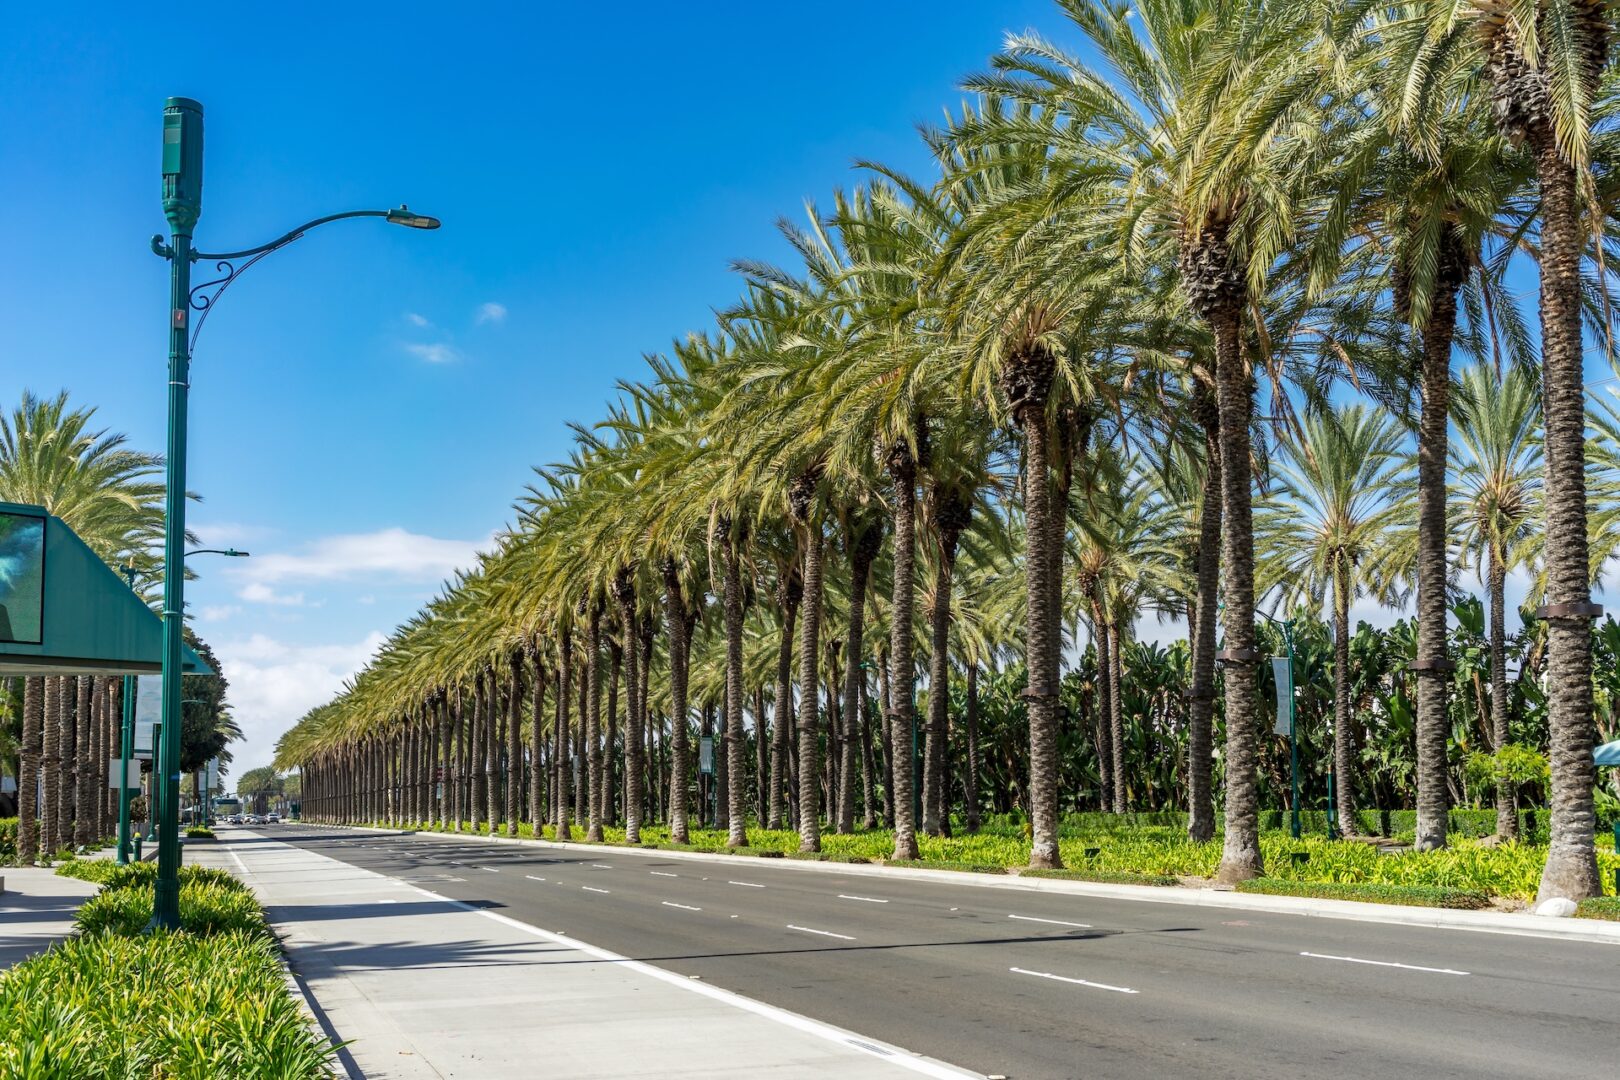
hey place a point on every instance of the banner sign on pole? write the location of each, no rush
(132, 781)
(1282, 671)
(706, 755)
(143, 739)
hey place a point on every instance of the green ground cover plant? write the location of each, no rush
(209, 1000)
(1154, 846)
(1371, 893)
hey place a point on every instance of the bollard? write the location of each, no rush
(137, 843)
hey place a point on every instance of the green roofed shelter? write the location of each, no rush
(65, 612)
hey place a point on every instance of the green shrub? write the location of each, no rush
(1599, 907)
(1109, 877)
(1371, 893)
(8, 839)
(199, 832)
(107, 1006)
(211, 902)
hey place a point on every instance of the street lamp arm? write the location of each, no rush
(202, 301)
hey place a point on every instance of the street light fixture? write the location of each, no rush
(182, 205)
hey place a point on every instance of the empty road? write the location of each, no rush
(1027, 984)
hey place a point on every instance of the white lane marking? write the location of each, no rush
(1077, 982)
(453, 879)
(601, 866)
(1054, 922)
(683, 907)
(531, 877)
(823, 933)
(1383, 963)
(587, 888)
(660, 873)
(748, 884)
(489, 869)
(867, 899)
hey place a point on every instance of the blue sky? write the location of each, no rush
(367, 403)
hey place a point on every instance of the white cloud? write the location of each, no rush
(224, 534)
(388, 553)
(433, 354)
(218, 613)
(259, 593)
(368, 599)
(274, 683)
(490, 312)
(417, 320)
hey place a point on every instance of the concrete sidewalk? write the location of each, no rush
(424, 986)
(37, 909)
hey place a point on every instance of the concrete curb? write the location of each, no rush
(1489, 922)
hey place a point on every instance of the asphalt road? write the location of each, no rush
(1026, 984)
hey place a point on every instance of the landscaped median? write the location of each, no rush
(1128, 850)
(113, 1001)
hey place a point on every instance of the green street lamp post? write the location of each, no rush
(126, 739)
(182, 205)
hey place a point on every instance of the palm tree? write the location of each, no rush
(1544, 60)
(1496, 464)
(112, 498)
(1176, 162)
(1337, 482)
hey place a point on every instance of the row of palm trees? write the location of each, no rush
(1119, 251)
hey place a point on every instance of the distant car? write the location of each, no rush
(235, 819)
(272, 819)
(254, 819)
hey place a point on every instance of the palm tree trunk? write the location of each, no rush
(1507, 811)
(635, 793)
(903, 472)
(28, 773)
(1571, 869)
(862, 545)
(458, 774)
(1240, 857)
(1201, 699)
(581, 760)
(559, 787)
(1102, 642)
(1027, 379)
(810, 695)
(537, 745)
(50, 835)
(675, 620)
(885, 738)
(1343, 735)
(69, 752)
(514, 743)
(593, 724)
(788, 595)
(736, 797)
(1116, 715)
(492, 749)
(972, 710)
(868, 806)
(1432, 667)
(610, 788)
(762, 756)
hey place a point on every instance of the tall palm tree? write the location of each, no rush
(1544, 60)
(1496, 465)
(1338, 483)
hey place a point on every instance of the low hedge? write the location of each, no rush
(8, 839)
(117, 1002)
(1599, 907)
(1105, 877)
(199, 832)
(1370, 893)
(960, 867)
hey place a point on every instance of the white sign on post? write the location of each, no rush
(706, 754)
(1283, 672)
(133, 780)
(143, 739)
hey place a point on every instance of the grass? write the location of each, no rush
(1599, 907)
(209, 1000)
(1139, 849)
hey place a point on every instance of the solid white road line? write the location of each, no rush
(747, 884)
(587, 888)
(683, 907)
(1383, 963)
(601, 866)
(867, 899)
(660, 873)
(823, 933)
(490, 869)
(531, 877)
(1054, 922)
(1077, 982)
